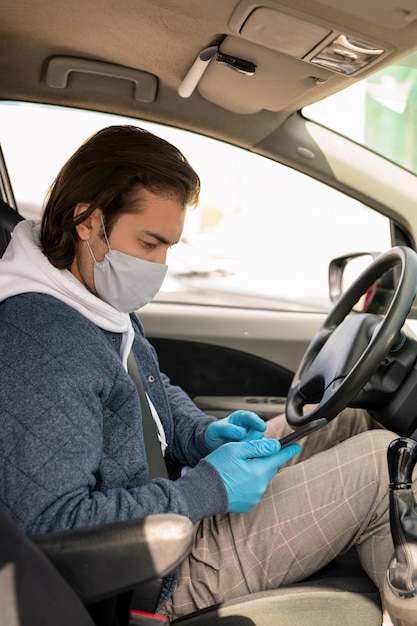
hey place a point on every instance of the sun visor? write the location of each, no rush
(245, 92)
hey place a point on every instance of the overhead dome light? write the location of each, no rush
(346, 55)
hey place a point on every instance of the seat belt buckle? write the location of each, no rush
(141, 618)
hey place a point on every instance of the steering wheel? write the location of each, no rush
(347, 349)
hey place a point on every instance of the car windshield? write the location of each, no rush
(379, 112)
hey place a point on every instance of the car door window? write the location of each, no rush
(262, 236)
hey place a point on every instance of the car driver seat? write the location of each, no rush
(340, 593)
(84, 578)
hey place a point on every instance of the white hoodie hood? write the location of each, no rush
(24, 268)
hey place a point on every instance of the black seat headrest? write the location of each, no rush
(8, 216)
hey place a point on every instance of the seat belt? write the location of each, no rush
(156, 461)
(146, 596)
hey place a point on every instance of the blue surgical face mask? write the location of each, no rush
(126, 282)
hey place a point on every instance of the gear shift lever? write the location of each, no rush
(400, 589)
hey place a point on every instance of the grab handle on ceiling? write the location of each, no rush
(59, 69)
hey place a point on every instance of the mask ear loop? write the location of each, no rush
(90, 250)
(105, 237)
(104, 231)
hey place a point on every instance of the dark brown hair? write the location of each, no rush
(108, 171)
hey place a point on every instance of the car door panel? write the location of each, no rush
(228, 359)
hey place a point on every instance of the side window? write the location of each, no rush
(262, 236)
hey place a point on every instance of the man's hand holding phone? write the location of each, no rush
(247, 467)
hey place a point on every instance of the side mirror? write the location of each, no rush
(344, 270)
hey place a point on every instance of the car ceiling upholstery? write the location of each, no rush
(164, 37)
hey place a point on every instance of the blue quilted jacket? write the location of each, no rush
(71, 449)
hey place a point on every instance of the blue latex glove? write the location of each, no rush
(239, 426)
(247, 467)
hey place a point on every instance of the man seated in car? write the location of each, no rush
(72, 446)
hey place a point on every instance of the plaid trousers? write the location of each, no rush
(331, 497)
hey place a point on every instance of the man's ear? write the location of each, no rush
(86, 227)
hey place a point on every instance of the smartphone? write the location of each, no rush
(303, 430)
